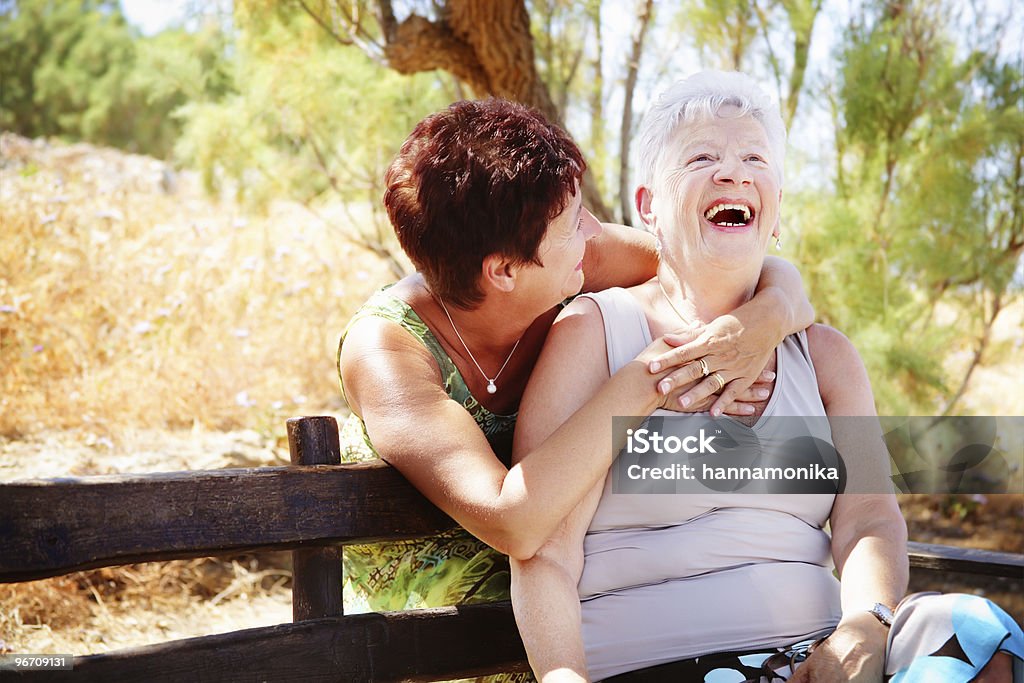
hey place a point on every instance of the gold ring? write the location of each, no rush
(703, 367)
(719, 381)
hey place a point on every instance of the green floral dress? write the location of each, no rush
(452, 568)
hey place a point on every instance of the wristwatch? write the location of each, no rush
(882, 613)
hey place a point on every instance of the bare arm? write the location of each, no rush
(619, 257)
(393, 383)
(869, 534)
(546, 602)
(571, 369)
(737, 345)
(622, 256)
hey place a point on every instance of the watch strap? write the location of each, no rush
(882, 613)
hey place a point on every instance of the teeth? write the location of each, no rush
(725, 207)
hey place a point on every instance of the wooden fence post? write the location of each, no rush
(316, 572)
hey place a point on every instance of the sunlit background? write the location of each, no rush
(189, 213)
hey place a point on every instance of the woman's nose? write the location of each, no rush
(591, 226)
(733, 171)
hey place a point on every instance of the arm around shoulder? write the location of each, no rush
(781, 280)
(620, 256)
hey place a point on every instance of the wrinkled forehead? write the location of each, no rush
(704, 132)
(729, 125)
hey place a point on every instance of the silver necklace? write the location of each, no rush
(491, 387)
(669, 300)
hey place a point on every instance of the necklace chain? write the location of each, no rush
(492, 388)
(670, 303)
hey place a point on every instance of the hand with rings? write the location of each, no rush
(718, 380)
(719, 370)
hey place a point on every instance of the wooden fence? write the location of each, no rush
(56, 526)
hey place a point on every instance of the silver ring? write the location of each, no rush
(719, 381)
(704, 370)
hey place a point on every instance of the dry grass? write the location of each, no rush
(118, 607)
(132, 307)
(122, 304)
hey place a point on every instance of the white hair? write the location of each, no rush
(698, 98)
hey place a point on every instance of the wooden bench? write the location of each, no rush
(57, 526)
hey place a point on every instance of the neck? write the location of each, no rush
(489, 330)
(707, 296)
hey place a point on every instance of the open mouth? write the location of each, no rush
(730, 215)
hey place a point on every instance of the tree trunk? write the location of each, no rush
(598, 143)
(802, 15)
(643, 20)
(486, 44)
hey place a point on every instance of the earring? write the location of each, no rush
(657, 245)
(778, 243)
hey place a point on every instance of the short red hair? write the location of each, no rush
(478, 178)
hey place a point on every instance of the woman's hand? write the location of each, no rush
(676, 384)
(854, 652)
(733, 358)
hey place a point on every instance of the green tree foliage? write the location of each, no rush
(916, 247)
(75, 69)
(753, 35)
(723, 30)
(313, 122)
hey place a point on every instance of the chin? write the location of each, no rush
(734, 257)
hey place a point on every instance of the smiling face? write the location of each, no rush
(716, 193)
(561, 253)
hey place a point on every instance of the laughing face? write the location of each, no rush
(561, 253)
(716, 195)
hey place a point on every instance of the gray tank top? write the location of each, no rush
(669, 577)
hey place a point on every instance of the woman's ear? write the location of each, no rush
(642, 199)
(777, 231)
(499, 272)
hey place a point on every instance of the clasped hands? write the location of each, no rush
(727, 352)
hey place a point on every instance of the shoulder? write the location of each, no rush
(372, 333)
(378, 353)
(583, 307)
(578, 327)
(614, 301)
(842, 377)
(575, 345)
(827, 337)
(386, 323)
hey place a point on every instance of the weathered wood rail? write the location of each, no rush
(57, 526)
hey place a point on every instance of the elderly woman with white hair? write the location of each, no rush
(716, 586)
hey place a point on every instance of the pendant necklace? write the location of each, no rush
(682, 317)
(491, 387)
